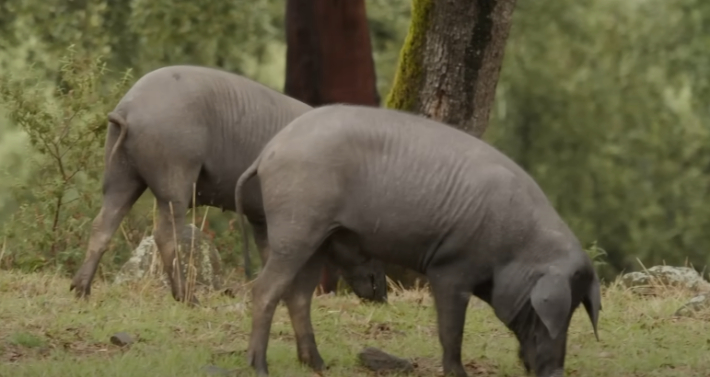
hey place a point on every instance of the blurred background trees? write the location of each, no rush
(604, 102)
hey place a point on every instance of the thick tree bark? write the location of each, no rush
(329, 60)
(449, 68)
(451, 60)
(329, 54)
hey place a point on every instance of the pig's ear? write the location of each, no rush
(592, 303)
(551, 298)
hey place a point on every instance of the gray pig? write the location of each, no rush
(179, 125)
(420, 194)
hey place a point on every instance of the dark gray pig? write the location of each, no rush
(416, 193)
(183, 124)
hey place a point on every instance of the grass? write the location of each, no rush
(44, 331)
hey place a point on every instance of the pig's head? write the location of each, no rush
(367, 280)
(541, 325)
(366, 276)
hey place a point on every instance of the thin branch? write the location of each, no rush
(4, 248)
(55, 222)
(67, 123)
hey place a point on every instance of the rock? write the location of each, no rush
(121, 339)
(696, 304)
(380, 361)
(681, 277)
(640, 282)
(238, 307)
(145, 261)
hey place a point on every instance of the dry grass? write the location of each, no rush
(44, 331)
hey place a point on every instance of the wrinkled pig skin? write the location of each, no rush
(180, 125)
(423, 195)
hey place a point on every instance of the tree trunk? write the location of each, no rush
(451, 60)
(329, 60)
(328, 53)
(449, 68)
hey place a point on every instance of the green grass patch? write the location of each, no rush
(44, 331)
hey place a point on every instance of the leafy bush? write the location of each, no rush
(605, 104)
(66, 127)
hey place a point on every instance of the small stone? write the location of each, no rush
(238, 308)
(121, 339)
(380, 361)
(145, 261)
(696, 304)
(680, 277)
(633, 279)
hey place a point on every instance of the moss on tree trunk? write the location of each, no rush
(451, 59)
(407, 80)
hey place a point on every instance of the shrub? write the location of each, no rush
(66, 126)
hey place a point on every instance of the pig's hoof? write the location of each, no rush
(80, 288)
(262, 372)
(315, 363)
(258, 364)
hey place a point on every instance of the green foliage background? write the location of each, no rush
(604, 102)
